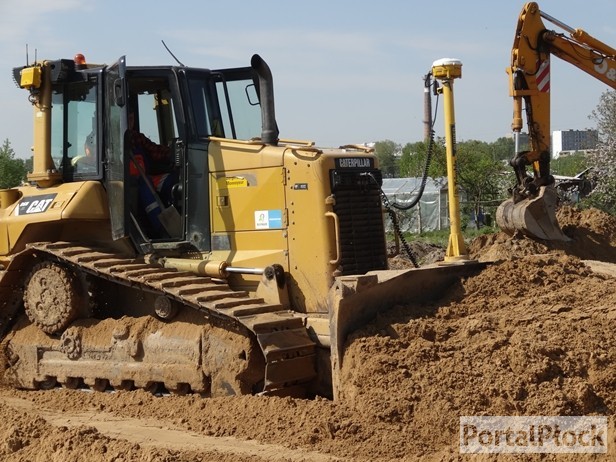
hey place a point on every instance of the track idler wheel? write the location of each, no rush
(53, 297)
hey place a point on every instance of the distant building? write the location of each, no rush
(564, 142)
(569, 141)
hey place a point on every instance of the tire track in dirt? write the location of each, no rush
(158, 434)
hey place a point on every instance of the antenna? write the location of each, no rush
(167, 48)
(27, 61)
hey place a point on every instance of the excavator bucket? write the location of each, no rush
(534, 217)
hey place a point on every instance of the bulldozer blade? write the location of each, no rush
(534, 217)
(356, 300)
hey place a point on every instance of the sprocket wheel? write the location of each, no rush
(53, 297)
(70, 343)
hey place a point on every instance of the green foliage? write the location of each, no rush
(413, 160)
(479, 174)
(411, 164)
(12, 171)
(502, 149)
(603, 160)
(570, 165)
(441, 237)
(386, 152)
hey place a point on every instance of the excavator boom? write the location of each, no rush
(532, 208)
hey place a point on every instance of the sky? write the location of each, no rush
(345, 71)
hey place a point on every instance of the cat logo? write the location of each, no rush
(35, 204)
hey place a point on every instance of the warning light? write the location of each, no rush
(80, 61)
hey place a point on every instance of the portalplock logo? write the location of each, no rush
(533, 434)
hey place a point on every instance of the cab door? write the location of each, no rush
(116, 125)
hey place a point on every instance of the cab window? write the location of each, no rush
(74, 146)
(241, 112)
(225, 105)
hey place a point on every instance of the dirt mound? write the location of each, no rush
(592, 233)
(530, 336)
(424, 253)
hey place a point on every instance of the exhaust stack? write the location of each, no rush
(269, 130)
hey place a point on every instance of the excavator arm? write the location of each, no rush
(532, 207)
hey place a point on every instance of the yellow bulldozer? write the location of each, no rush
(168, 238)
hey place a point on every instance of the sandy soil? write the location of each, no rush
(532, 334)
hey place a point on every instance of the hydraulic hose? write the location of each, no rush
(424, 177)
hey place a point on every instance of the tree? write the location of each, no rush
(12, 171)
(570, 165)
(503, 149)
(409, 161)
(479, 174)
(603, 160)
(386, 152)
(413, 159)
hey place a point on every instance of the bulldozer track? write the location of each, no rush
(288, 351)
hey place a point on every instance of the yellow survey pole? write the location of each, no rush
(446, 70)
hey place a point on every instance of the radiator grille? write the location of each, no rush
(362, 235)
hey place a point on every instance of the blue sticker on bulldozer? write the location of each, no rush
(268, 219)
(35, 204)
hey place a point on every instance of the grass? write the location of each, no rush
(441, 237)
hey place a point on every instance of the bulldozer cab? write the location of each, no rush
(144, 132)
(145, 155)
